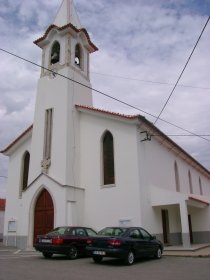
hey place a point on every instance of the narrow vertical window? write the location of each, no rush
(78, 56)
(177, 177)
(190, 182)
(26, 161)
(48, 134)
(108, 159)
(55, 53)
(200, 186)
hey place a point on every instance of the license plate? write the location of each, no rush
(101, 253)
(45, 241)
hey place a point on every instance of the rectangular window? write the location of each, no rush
(12, 226)
(48, 133)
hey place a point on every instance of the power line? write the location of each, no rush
(181, 135)
(2, 176)
(158, 117)
(102, 93)
(147, 81)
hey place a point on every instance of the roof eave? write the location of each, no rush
(108, 114)
(68, 28)
(171, 145)
(17, 142)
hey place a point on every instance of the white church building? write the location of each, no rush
(79, 165)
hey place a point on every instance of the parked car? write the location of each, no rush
(69, 241)
(124, 243)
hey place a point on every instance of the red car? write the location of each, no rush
(69, 241)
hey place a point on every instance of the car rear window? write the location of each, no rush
(58, 231)
(112, 231)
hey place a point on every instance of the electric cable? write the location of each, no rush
(148, 81)
(158, 117)
(101, 93)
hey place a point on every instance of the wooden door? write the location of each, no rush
(44, 214)
(190, 229)
(165, 224)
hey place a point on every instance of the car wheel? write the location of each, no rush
(72, 253)
(158, 253)
(97, 259)
(47, 255)
(130, 258)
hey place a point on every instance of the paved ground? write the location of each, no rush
(30, 265)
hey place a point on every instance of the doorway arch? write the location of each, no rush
(43, 214)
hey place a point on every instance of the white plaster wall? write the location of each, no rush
(160, 169)
(200, 218)
(61, 94)
(22, 210)
(106, 206)
(157, 169)
(13, 205)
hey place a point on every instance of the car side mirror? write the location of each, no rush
(153, 237)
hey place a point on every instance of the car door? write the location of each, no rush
(150, 247)
(79, 239)
(137, 242)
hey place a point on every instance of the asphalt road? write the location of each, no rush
(15, 265)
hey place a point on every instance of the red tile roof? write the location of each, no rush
(199, 199)
(130, 117)
(69, 25)
(2, 204)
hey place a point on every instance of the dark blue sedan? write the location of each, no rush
(124, 243)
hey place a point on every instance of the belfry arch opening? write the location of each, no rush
(55, 53)
(78, 55)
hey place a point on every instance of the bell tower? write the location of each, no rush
(64, 82)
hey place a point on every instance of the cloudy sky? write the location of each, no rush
(143, 47)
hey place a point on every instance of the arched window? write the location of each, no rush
(55, 53)
(200, 186)
(25, 170)
(190, 182)
(108, 159)
(177, 177)
(78, 56)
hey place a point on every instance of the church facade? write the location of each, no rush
(79, 165)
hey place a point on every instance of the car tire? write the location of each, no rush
(47, 255)
(158, 253)
(72, 253)
(97, 259)
(130, 258)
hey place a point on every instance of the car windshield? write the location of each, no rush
(112, 231)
